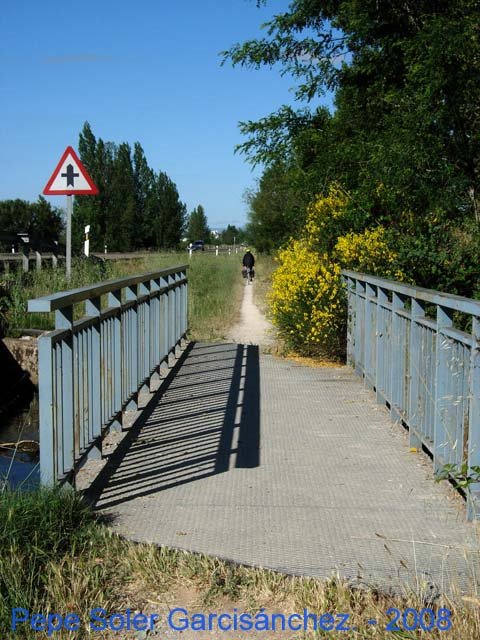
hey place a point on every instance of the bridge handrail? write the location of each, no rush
(62, 299)
(403, 341)
(448, 300)
(92, 369)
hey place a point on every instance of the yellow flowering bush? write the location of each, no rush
(325, 211)
(307, 299)
(368, 252)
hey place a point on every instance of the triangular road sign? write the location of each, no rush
(70, 177)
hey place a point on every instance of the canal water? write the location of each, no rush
(19, 468)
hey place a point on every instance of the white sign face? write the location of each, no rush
(70, 177)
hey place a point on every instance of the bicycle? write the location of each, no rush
(249, 275)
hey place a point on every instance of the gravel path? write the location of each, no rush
(253, 327)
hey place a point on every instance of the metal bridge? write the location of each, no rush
(235, 453)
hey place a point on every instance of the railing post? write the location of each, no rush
(381, 352)
(350, 282)
(370, 330)
(144, 337)
(178, 308)
(397, 354)
(444, 320)
(47, 401)
(132, 356)
(155, 347)
(164, 314)
(115, 360)
(359, 328)
(25, 259)
(171, 315)
(415, 357)
(92, 309)
(184, 305)
(64, 320)
(473, 495)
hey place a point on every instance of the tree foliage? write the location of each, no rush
(38, 219)
(136, 208)
(197, 227)
(231, 235)
(403, 139)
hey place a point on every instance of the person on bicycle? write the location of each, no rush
(248, 260)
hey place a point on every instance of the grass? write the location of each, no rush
(264, 268)
(55, 556)
(214, 290)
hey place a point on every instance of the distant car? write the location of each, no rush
(198, 245)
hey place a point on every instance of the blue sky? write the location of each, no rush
(147, 70)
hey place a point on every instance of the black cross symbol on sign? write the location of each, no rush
(70, 175)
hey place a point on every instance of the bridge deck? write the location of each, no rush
(262, 461)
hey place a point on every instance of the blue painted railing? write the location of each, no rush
(405, 343)
(92, 369)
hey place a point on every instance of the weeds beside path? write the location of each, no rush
(214, 290)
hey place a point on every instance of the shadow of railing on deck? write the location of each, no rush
(204, 420)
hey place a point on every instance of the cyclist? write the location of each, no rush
(248, 262)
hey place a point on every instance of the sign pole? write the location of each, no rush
(69, 237)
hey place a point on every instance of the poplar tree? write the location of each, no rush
(197, 225)
(120, 232)
(144, 178)
(135, 208)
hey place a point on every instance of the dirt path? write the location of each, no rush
(253, 327)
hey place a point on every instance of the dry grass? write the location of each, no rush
(118, 574)
(316, 362)
(214, 289)
(264, 268)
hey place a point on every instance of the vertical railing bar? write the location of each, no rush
(382, 299)
(359, 327)
(473, 439)
(79, 389)
(146, 311)
(47, 413)
(444, 320)
(64, 320)
(370, 299)
(398, 346)
(131, 294)
(417, 311)
(59, 408)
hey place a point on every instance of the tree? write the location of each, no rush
(275, 208)
(39, 219)
(168, 213)
(121, 234)
(197, 228)
(404, 139)
(405, 85)
(135, 207)
(232, 235)
(144, 178)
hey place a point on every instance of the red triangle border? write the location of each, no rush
(93, 191)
